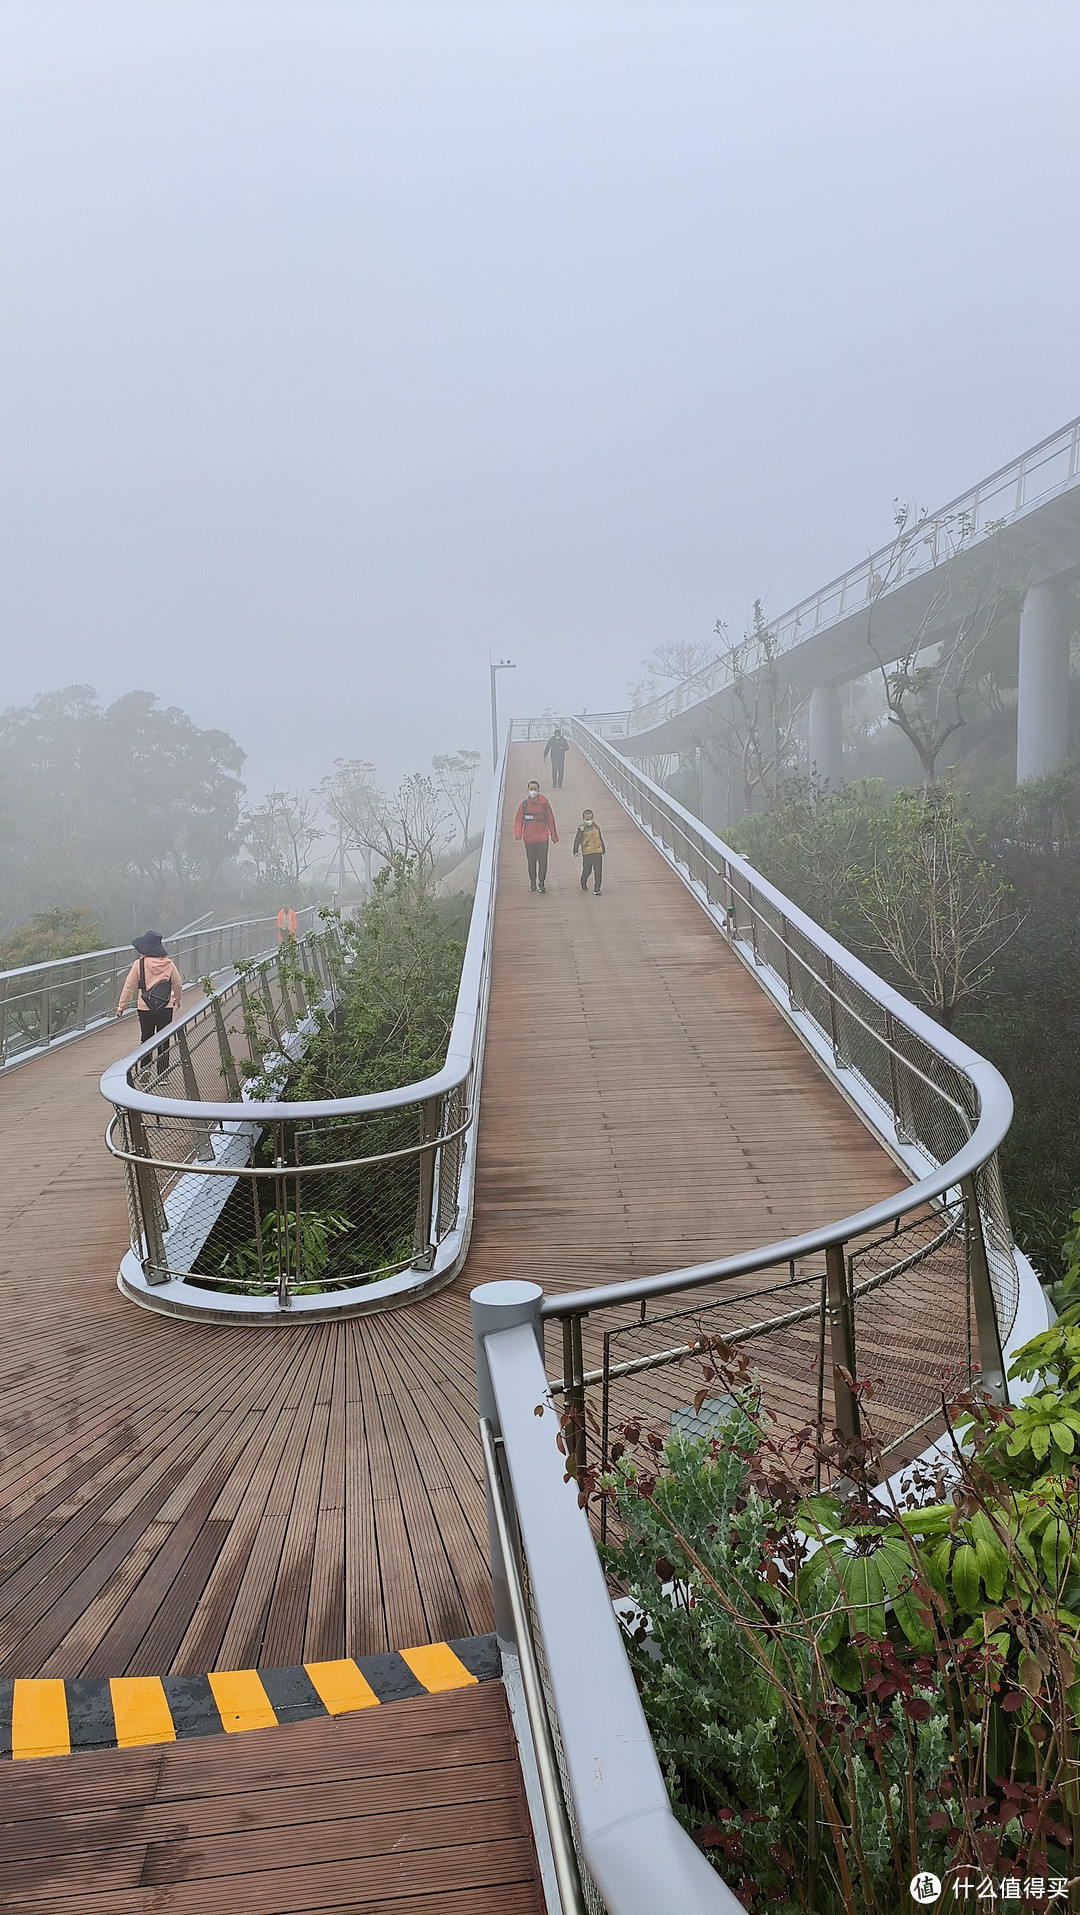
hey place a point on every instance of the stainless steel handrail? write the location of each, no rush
(631, 1852)
(702, 852)
(86, 985)
(856, 588)
(563, 1853)
(174, 1239)
(117, 1088)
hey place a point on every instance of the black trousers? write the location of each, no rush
(536, 855)
(592, 861)
(151, 1021)
(558, 766)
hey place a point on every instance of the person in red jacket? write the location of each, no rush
(535, 824)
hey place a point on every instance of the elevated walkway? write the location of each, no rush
(180, 1498)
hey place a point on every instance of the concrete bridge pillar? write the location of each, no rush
(1042, 713)
(826, 736)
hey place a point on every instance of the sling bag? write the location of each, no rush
(155, 996)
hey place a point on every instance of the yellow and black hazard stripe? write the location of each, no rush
(54, 1716)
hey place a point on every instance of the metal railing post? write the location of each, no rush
(841, 1342)
(573, 1396)
(228, 1062)
(151, 1209)
(752, 908)
(204, 1150)
(901, 1115)
(423, 1243)
(247, 1018)
(495, 1307)
(834, 1023)
(991, 1359)
(281, 1218)
(785, 934)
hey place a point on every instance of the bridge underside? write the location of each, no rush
(185, 1498)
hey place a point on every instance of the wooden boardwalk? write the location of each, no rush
(181, 1498)
(405, 1810)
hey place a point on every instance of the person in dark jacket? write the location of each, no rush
(535, 826)
(590, 843)
(557, 746)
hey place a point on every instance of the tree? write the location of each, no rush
(51, 934)
(809, 840)
(939, 910)
(280, 836)
(974, 587)
(672, 662)
(356, 802)
(130, 811)
(416, 815)
(756, 726)
(169, 793)
(407, 825)
(455, 773)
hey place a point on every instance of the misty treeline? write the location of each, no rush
(113, 817)
(929, 862)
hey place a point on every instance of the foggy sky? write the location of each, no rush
(344, 340)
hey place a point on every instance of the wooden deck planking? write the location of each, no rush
(407, 1808)
(187, 1497)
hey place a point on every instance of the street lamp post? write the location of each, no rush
(502, 665)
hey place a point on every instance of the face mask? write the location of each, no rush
(534, 791)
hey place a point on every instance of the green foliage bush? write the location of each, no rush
(398, 969)
(403, 958)
(844, 1689)
(51, 934)
(1021, 1007)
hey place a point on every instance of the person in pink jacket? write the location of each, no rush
(157, 986)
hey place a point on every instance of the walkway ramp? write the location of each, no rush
(644, 1107)
(180, 1497)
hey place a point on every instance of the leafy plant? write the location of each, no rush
(303, 1245)
(845, 1687)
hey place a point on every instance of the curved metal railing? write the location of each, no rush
(1037, 476)
(938, 1108)
(245, 1204)
(42, 1005)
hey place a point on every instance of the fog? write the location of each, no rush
(344, 341)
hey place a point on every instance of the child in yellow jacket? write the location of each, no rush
(589, 841)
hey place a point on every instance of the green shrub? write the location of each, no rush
(397, 970)
(843, 1690)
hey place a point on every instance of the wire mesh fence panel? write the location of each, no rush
(647, 1372)
(998, 1239)
(915, 1340)
(294, 1207)
(451, 1158)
